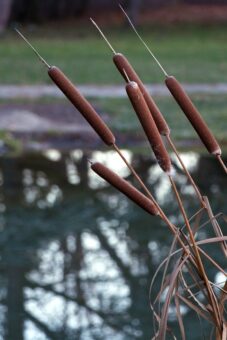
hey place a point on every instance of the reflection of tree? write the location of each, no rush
(69, 247)
(42, 326)
(15, 300)
(133, 7)
(209, 174)
(110, 320)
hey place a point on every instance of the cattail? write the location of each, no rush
(81, 104)
(193, 115)
(140, 106)
(126, 188)
(127, 70)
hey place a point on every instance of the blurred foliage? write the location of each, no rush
(193, 53)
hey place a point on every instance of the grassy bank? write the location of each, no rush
(121, 117)
(193, 53)
(212, 108)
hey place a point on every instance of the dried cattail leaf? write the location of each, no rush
(198, 310)
(224, 332)
(179, 316)
(125, 187)
(223, 298)
(82, 105)
(149, 126)
(163, 323)
(215, 224)
(128, 72)
(193, 115)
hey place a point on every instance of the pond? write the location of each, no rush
(77, 257)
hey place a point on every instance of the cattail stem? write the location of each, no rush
(212, 298)
(137, 177)
(222, 163)
(200, 197)
(134, 173)
(146, 190)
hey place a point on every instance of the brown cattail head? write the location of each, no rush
(128, 72)
(125, 187)
(82, 105)
(193, 115)
(140, 106)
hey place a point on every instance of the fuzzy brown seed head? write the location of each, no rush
(140, 106)
(125, 187)
(82, 105)
(193, 115)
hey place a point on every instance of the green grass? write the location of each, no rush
(121, 117)
(192, 53)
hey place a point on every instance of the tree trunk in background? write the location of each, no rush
(15, 302)
(133, 7)
(5, 9)
(80, 7)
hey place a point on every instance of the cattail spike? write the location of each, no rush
(142, 110)
(143, 42)
(126, 188)
(193, 115)
(126, 76)
(103, 35)
(82, 105)
(33, 48)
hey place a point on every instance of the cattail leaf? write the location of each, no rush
(198, 310)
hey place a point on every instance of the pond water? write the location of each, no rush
(77, 257)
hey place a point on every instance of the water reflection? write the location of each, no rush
(77, 257)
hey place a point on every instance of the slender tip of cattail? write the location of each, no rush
(222, 163)
(32, 47)
(143, 42)
(103, 35)
(89, 161)
(126, 75)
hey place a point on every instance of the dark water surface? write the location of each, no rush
(77, 258)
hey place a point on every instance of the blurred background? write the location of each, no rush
(76, 257)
